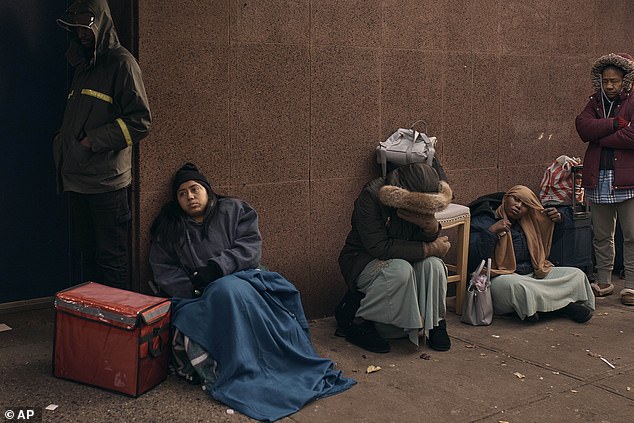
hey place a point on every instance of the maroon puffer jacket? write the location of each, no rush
(599, 132)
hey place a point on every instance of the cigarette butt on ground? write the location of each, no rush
(607, 362)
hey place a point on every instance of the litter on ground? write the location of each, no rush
(371, 369)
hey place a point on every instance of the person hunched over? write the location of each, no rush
(392, 262)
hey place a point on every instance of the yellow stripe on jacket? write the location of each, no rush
(97, 94)
(126, 132)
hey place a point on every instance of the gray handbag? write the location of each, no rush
(406, 146)
(477, 309)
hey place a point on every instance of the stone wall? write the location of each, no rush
(282, 104)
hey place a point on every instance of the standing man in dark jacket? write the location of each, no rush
(608, 167)
(107, 112)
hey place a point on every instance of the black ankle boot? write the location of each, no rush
(438, 337)
(533, 319)
(365, 335)
(580, 313)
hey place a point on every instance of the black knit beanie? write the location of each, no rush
(189, 172)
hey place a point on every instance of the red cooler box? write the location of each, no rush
(111, 338)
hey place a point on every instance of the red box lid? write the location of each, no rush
(115, 306)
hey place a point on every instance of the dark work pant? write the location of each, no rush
(101, 230)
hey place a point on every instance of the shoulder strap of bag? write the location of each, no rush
(479, 269)
(417, 122)
(410, 146)
(424, 138)
(488, 269)
(382, 160)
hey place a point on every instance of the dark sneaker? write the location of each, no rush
(346, 310)
(578, 312)
(365, 335)
(438, 337)
(533, 319)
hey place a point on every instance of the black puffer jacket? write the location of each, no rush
(482, 242)
(378, 233)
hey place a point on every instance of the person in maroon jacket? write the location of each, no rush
(606, 126)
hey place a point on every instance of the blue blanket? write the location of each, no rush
(253, 324)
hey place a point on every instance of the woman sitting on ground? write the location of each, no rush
(517, 235)
(245, 332)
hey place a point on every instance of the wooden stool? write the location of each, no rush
(460, 216)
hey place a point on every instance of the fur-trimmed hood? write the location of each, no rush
(620, 60)
(417, 202)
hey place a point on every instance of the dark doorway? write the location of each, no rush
(34, 254)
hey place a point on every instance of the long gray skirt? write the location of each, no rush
(525, 295)
(403, 298)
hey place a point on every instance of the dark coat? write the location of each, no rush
(378, 233)
(232, 242)
(107, 103)
(482, 242)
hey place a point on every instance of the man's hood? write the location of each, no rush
(102, 27)
(620, 60)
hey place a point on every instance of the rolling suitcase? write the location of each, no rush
(111, 338)
(572, 239)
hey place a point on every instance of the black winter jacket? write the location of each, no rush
(378, 233)
(107, 103)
